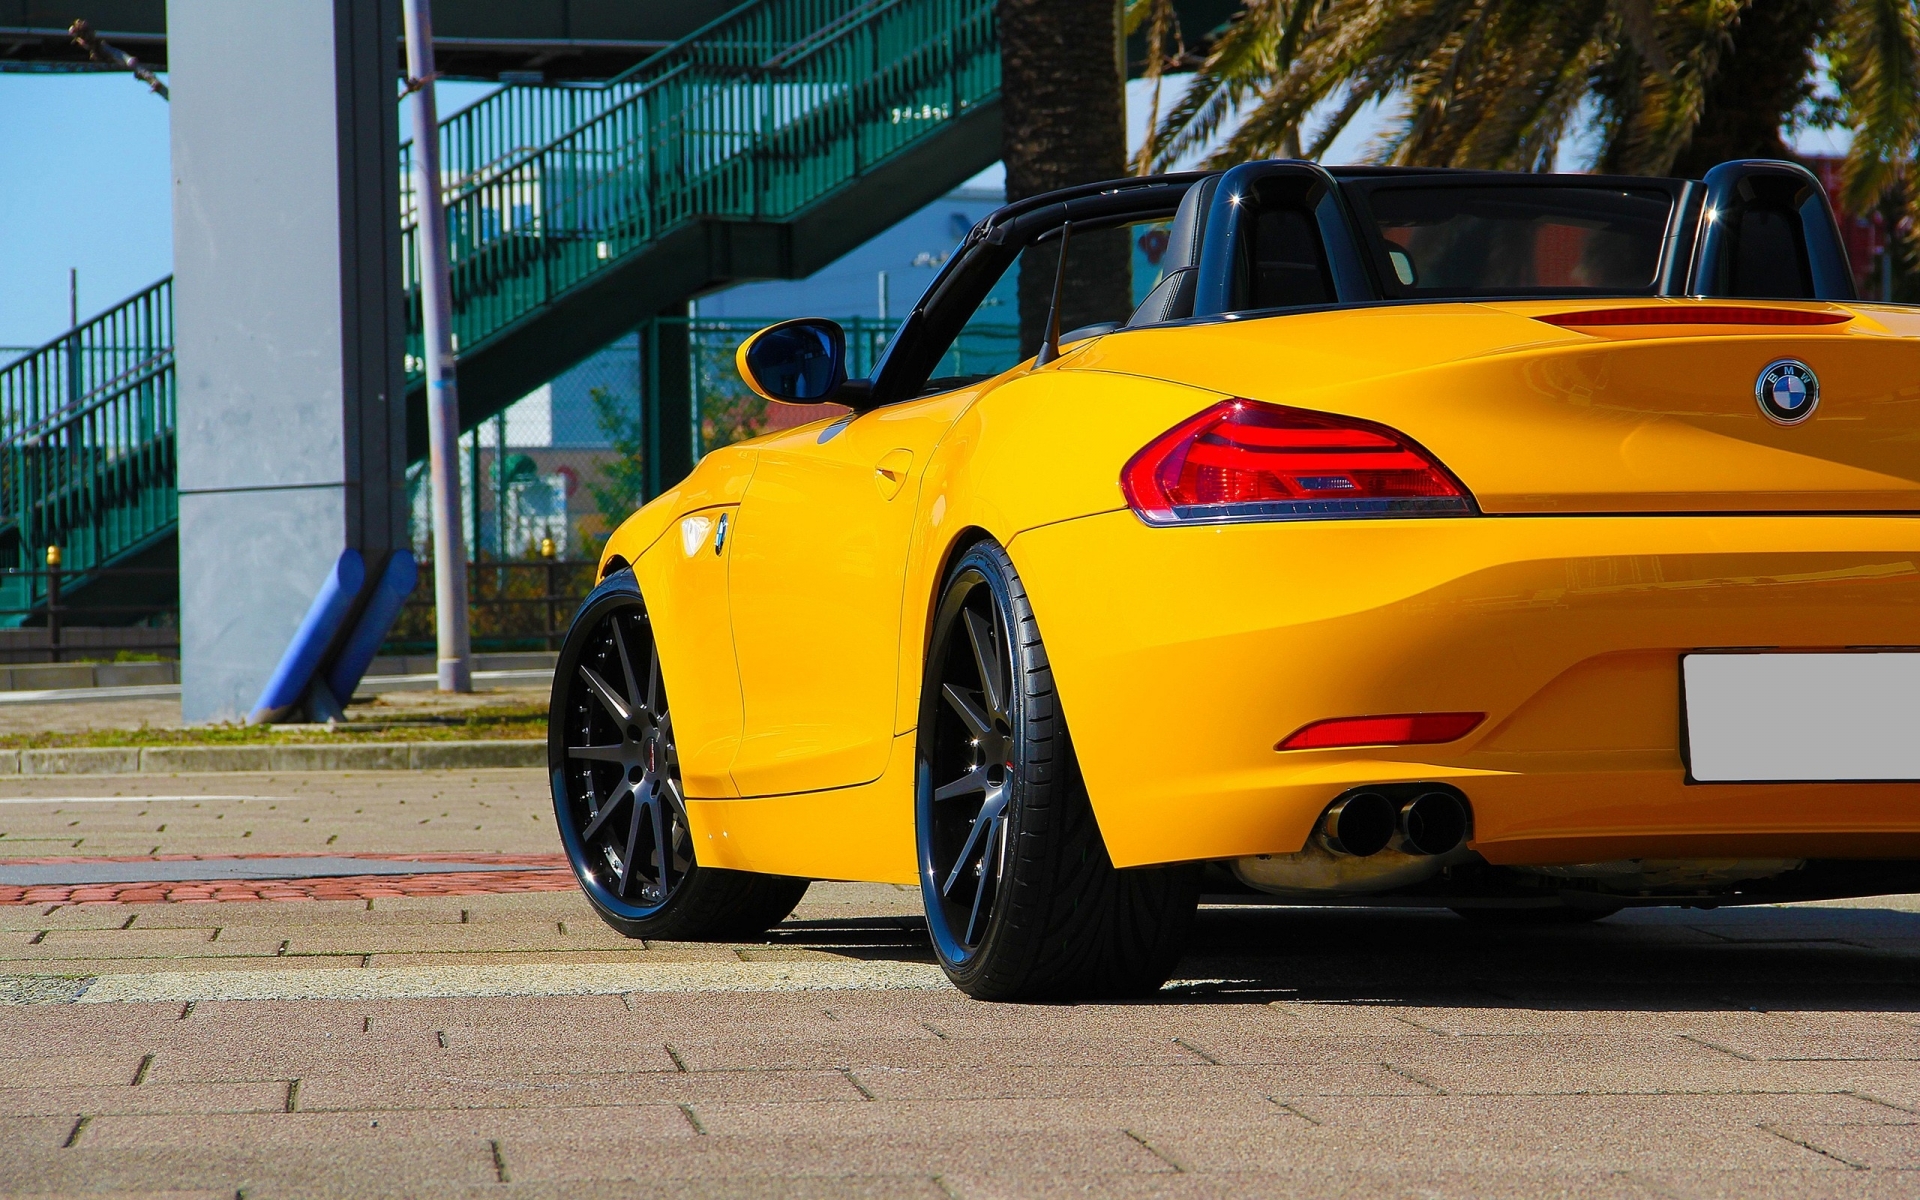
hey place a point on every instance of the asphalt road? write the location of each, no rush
(501, 1043)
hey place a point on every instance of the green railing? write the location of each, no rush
(756, 116)
(87, 439)
(760, 114)
(725, 411)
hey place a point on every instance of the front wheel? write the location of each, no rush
(1022, 900)
(617, 797)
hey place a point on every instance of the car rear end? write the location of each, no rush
(1605, 573)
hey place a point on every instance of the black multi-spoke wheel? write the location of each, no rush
(1022, 900)
(965, 820)
(617, 793)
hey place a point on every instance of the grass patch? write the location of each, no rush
(522, 720)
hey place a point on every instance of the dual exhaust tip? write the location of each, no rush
(1364, 823)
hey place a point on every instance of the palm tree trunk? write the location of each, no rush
(1760, 80)
(1062, 122)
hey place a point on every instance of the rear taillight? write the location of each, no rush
(1243, 460)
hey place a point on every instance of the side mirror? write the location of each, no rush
(795, 362)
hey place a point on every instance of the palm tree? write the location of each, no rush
(1670, 86)
(1062, 122)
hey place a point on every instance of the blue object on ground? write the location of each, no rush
(383, 607)
(288, 683)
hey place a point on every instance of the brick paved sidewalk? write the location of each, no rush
(1750, 1053)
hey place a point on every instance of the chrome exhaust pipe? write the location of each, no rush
(1432, 823)
(1360, 824)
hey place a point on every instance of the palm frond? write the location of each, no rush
(1876, 56)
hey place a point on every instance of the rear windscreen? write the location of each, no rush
(1466, 241)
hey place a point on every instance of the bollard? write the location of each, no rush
(53, 604)
(548, 551)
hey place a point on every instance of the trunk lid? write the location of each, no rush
(1633, 416)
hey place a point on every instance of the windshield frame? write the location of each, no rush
(905, 368)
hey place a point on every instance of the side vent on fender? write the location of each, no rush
(614, 563)
(1243, 460)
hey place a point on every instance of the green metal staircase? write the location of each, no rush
(762, 146)
(87, 450)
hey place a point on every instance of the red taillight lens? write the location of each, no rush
(1242, 460)
(1404, 729)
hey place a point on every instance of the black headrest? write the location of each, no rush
(1189, 223)
(1172, 297)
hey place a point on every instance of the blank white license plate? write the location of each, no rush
(1763, 718)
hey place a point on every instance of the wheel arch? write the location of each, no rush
(963, 540)
(922, 598)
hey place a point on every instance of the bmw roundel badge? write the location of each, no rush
(1788, 391)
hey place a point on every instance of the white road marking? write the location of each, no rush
(459, 982)
(213, 870)
(139, 691)
(123, 799)
(373, 685)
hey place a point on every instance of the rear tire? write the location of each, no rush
(615, 772)
(1022, 900)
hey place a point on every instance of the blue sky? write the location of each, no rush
(86, 186)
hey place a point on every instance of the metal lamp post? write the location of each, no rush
(443, 397)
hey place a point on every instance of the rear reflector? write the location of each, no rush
(1404, 729)
(1243, 460)
(1695, 314)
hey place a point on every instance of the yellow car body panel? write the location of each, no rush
(1566, 631)
(684, 581)
(1635, 504)
(817, 578)
(864, 832)
(1537, 418)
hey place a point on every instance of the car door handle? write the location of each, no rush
(892, 472)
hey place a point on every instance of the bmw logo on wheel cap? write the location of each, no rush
(1788, 391)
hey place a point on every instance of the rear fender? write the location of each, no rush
(1043, 447)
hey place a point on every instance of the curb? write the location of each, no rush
(367, 756)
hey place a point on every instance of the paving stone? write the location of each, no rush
(77, 1070)
(1864, 1145)
(1094, 1154)
(149, 1097)
(1186, 1084)
(201, 1156)
(441, 1089)
(1767, 1052)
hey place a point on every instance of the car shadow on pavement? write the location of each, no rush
(876, 939)
(1807, 958)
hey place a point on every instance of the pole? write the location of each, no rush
(503, 549)
(443, 397)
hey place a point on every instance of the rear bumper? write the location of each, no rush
(1182, 655)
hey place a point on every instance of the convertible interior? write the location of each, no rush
(1271, 238)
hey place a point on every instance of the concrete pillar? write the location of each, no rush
(289, 318)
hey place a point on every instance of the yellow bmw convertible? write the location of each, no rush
(1532, 546)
